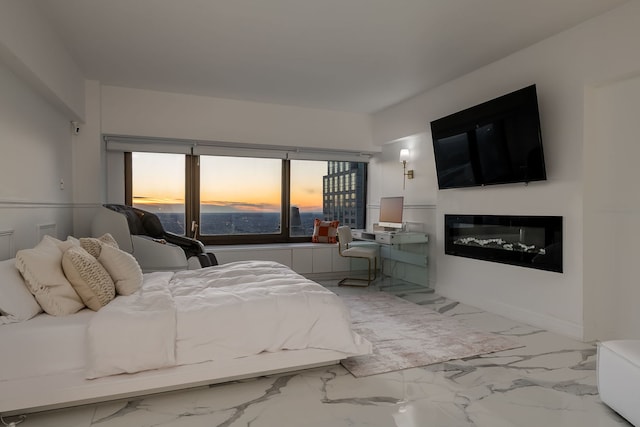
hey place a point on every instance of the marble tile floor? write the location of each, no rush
(551, 381)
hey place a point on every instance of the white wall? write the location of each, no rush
(612, 210)
(563, 67)
(42, 92)
(89, 164)
(35, 142)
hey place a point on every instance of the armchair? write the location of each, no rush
(142, 235)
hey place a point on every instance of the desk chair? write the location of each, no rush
(344, 249)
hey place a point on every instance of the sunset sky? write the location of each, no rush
(227, 183)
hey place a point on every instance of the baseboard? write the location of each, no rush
(549, 323)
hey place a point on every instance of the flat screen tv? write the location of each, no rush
(391, 212)
(496, 142)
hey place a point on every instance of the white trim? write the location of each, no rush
(268, 246)
(7, 248)
(326, 155)
(221, 150)
(377, 206)
(21, 204)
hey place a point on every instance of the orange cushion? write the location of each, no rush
(325, 231)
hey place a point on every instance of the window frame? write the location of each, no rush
(192, 206)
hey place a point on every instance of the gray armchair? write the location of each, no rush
(142, 235)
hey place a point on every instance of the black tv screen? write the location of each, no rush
(496, 142)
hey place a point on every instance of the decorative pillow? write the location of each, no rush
(88, 277)
(16, 302)
(93, 245)
(123, 269)
(41, 268)
(325, 231)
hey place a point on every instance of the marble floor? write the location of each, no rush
(550, 381)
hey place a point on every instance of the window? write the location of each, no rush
(232, 200)
(158, 186)
(306, 189)
(240, 195)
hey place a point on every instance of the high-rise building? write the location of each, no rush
(345, 193)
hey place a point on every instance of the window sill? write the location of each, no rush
(268, 246)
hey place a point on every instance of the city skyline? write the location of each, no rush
(165, 191)
(161, 206)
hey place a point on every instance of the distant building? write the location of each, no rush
(345, 193)
(296, 228)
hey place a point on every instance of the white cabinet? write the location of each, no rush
(303, 258)
(231, 254)
(322, 258)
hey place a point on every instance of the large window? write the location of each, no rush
(226, 199)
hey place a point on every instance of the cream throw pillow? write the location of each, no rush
(41, 268)
(123, 268)
(16, 302)
(93, 245)
(88, 277)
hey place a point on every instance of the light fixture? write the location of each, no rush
(405, 154)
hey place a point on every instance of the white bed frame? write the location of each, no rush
(70, 389)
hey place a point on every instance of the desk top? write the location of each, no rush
(390, 237)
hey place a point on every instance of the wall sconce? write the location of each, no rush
(404, 157)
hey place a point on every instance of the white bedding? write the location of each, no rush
(44, 345)
(217, 313)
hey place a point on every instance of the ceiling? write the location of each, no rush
(346, 55)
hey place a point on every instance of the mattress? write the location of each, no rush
(44, 345)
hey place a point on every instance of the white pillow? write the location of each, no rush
(123, 268)
(88, 277)
(41, 268)
(16, 302)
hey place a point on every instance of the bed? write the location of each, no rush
(175, 330)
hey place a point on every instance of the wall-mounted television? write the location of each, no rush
(496, 142)
(391, 212)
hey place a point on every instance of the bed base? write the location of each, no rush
(68, 389)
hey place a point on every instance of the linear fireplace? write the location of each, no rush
(527, 241)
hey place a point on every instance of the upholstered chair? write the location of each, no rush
(346, 249)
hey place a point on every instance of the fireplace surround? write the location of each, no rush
(527, 241)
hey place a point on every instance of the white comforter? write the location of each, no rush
(223, 312)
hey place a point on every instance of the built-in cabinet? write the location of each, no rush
(304, 258)
(402, 256)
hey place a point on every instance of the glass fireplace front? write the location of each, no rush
(527, 241)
